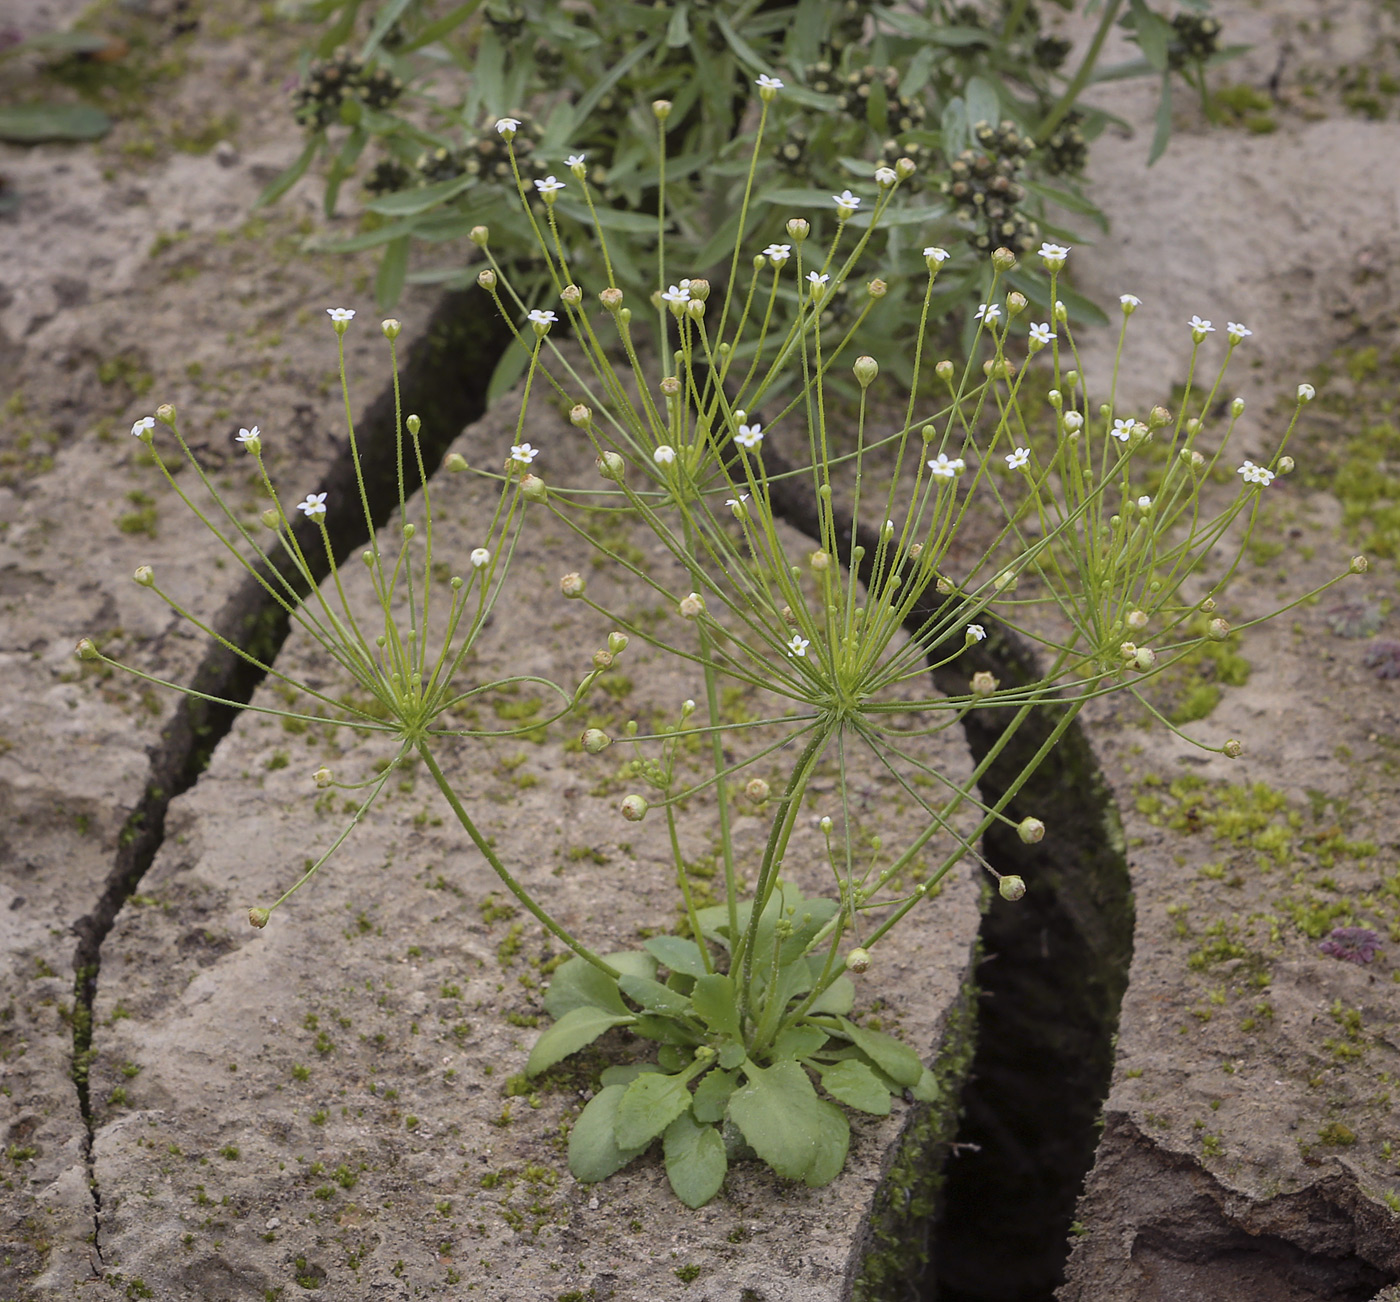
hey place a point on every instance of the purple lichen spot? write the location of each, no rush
(1354, 944)
(1383, 656)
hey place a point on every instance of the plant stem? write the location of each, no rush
(1068, 100)
(513, 886)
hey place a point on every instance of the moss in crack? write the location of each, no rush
(897, 1250)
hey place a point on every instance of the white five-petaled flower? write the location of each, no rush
(885, 177)
(1237, 332)
(749, 436)
(765, 82)
(977, 633)
(1042, 334)
(664, 455)
(1256, 474)
(733, 503)
(1054, 255)
(797, 645)
(1306, 393)
(542, 316)
(341, 313)
(575, 160)
(937, 254)
(480, 558)
(247, 435)
(144, 425)
(846, 200)
(1019, 459)
(507, 124)
(523, 453)
(987, 312)
(1144, 502)
(677, 294)
(1123, 429)
(315, 504)
(779, 253)
(1200, 327)
(550, 185)
(944, 468)
(1130, 300)
(817, 278)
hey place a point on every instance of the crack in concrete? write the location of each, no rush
(449, 396)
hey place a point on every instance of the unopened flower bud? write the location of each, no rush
(1011, 888)
(617, 642)
(1056, 399)
(610, 298)
(1146, 657)
(877, 288)
(573, 585)
(670, 386)
(1030, 830)
(413, 425)
(1074, 421)
(798, 228)
(595, 741)
(944, 371)
(1158, 417)
(1003, 259)
(699, 289)
(86, 649)
(1193, 426)
(825, 825)
(323, 777)
(479, 235)
(634, 808)
(905, 168)
(392, 327)
(455, 463)
(1059, 313)
(695, 311)
(1015, 303)
(144, 575)
(691, 607)
(1237, 408)
(757, 790)
(984, 683)
(580, 416)
(486, 278)
(611, 466)
(165, 413)
(258, 917)
(1127, 650)
(602, 659)
(572, 295)
(1359, 565)
(1218, 629)
(661, 109)
(1286, 465)
(1232, 749)
(533, 488)
(866, 369)
(819, 561)
(270, 519)
(408, 531)
(858, 961)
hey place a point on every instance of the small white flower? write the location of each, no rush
(315, 504)
(937, 254)
(1123, 429)
(1053, 255)
(987, 312)
(1237, 332)
(736, 504)
(144, 425)
(481, 558)
(1144, 502)
(749, 436)
(817, 279)
(542, 316)
(797, 646)
(1042, 334)
(677, 293)
(1129, 302)
(1019, 459)
(664, 455)
(846, 200)
(243, 435)
(778, 253)
(341, 313)
(765, 82)
(1200, 327)
(523, 453)
(976, 633)
(550, 185)
(1256, 474)
(944, 468)
(507, 124)
(575, 160)
(885, 177)
(1074, 421)
(1306, 393)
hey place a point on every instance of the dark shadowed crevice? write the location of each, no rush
(444, 377)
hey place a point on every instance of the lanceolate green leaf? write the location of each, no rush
(650, 1104)
(676, 953)
(856, 1086)
(28, 124)
(653, 996)
(695, 1160)
(798, 1134)
(891, 1055)
(569, 1034)
(713, 1000)
(578, 984)
(279, 186)
(594, 1153)
(712, 1094)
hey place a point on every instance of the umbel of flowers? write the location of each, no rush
(1106, 552)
